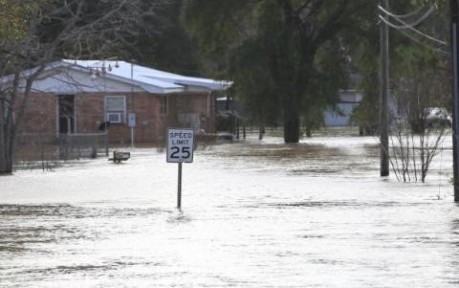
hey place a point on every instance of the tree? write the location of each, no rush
(276, 51)
(366, 54)
(421, 94)
(164, 42)
(419, 79)
(421, 120)
(42, 31)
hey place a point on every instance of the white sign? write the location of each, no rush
(180, 145)
(131, 120)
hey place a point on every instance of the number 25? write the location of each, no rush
(185, 153)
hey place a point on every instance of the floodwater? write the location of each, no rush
(254, 214)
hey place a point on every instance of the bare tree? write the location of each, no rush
(420, 119)
(411, 154)
(43, 31)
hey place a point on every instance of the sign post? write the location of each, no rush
(180, 143)
(131, 124)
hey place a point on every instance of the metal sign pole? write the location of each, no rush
(132, 137)
(132, 124)
(179, 187)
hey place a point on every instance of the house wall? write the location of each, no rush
(89, 112)
(208, 120)
(40, 117)
(202, 107)
(192, 110)
(151, 125)
(149, 122)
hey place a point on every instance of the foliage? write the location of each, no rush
(406, 45)
(284, 56)
(15, 18)
(419, 78)
(162, 41)
(420, 82)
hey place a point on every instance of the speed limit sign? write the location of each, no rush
(180, 145)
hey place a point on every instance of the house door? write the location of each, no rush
(66, 110)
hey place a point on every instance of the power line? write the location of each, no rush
(409, 15)
(410, 26)
(415, 23)
(437, 49)
(415, 39)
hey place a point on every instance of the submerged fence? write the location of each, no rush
(34, 147)
(82, 145)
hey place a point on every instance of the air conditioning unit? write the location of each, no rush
(114, 117)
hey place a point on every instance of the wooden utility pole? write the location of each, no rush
(455, 58)
(384, 91)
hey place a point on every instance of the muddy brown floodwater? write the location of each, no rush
(255, 214)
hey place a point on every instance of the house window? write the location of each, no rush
(115, 109)
(164, 104)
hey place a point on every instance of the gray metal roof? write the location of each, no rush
(148, 79)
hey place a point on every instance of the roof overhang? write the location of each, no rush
(80, 75)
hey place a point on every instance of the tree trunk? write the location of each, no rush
(7, 167)
(2, 140)
(8, 126)
(6, 157)
(6, 162)
(308, 131)
(292, 128)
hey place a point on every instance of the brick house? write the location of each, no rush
(80, 96)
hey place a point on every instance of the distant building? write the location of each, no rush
(341, 115)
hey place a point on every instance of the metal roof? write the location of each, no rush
(148, 79)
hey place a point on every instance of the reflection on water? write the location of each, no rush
(255, 214)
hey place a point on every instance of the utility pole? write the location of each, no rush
(384, 91)
(455, 56)
(132, 116)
